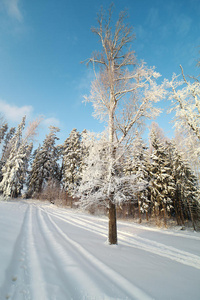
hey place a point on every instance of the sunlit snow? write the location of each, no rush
(49, 253)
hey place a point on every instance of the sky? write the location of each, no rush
(42, 45)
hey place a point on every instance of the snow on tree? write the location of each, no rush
(122, 95)
(45, 164)
(189, 146)
(138, 164)
(94, 184)
(6, 147)
(72, 156)
(15, 169)
(185, 99)
(186, 196)
(162, 185)
(3, 130)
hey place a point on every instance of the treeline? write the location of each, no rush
(157, 180)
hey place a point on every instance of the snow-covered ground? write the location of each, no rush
(49, 253)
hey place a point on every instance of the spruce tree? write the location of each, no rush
(14, 170)
(162, 184)
(136, 162)
(45, 165)
(186, 203)
(72, 159)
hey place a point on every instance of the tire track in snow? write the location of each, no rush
(38, 290)
(67, 265)
(81, 223)
(128, 239)
(23, 273)
(110, 275)
(16, 276)
(131, 225)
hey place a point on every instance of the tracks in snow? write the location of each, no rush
(47, 264)
(94, 279)
(23, 277)
(131, 240)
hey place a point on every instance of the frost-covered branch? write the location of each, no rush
(185, 99)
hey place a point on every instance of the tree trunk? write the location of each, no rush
(139, 211)
(164, 214)
(180, 207)
(191, 214)
(112, 234)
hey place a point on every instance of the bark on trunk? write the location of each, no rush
(112, 234)
(139, 209)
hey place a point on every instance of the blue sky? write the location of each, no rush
(42, 43)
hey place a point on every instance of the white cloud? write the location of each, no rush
(12, 8)
(51, 122)
(85, 80)
(14, 113)
(183, 25)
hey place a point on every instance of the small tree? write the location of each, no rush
(122, 95)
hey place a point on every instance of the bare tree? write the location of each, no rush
(122, 94)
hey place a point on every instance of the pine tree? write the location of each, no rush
(7, 144)
(136, 162)
(3, 130)
(45, 165)
(141, 170)
(186, 203)
(14, 170)
(72, 158)
(162, 185)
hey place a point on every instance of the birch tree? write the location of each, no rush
(185, 99)
(122, 94)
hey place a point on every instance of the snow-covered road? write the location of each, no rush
(53, 253)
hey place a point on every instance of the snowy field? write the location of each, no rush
(49, 253)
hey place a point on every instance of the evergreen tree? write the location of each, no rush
(72, 157)
(162, 184)
(141, 170)
(14, 170)
(7, 145)
(3, 129)
(136, 162)
(186, 197)
(45, 165)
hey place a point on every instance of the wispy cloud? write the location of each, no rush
(153, 18)
(51, 122)
(14, 113)
(12, 9)
(183, 24)
(86, 79)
